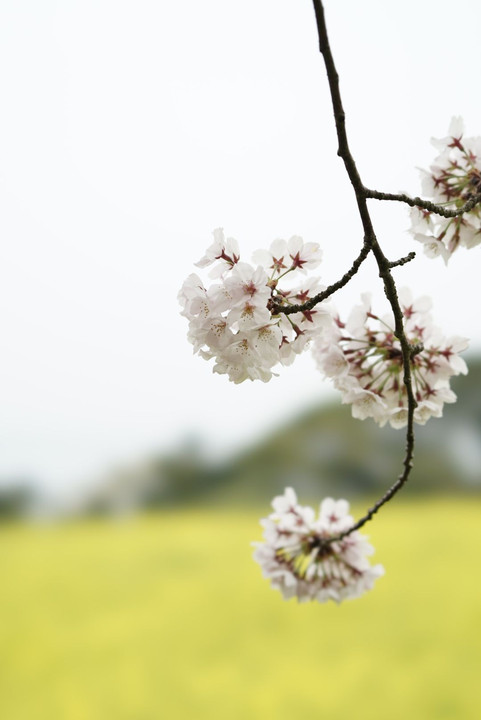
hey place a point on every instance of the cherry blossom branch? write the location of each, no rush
(425, 204)
(407, 463)
(389, 372)
(403, 261)
(276, 308)
(383, 263)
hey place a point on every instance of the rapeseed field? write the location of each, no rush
(166, 616)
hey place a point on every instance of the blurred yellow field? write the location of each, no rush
(166, 616)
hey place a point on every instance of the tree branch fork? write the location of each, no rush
(385, 267)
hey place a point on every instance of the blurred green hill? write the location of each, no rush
(323, 452)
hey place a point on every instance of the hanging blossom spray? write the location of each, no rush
(393, 367)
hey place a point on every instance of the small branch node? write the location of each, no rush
(415, 349)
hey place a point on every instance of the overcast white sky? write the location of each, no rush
(129, 131)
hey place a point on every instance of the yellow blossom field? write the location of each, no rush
(166, 616)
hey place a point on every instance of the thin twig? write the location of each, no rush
(275, 308)
(425, 204)
(383, 264)
(402, 261)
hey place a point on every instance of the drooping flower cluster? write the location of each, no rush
(301, 562)
(364, 359)
(454, 178)
(230, 321)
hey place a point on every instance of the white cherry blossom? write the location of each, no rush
(453, 179)
(301, 561)
(363, 358)
(304, 256)
(222, 249)
(289, 255)
(235, 321)
(248, 283)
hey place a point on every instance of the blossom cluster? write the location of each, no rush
(233, 321)
(302, 561)
(364, 359)
(453, 179)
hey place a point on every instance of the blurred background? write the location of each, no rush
(131, 477)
